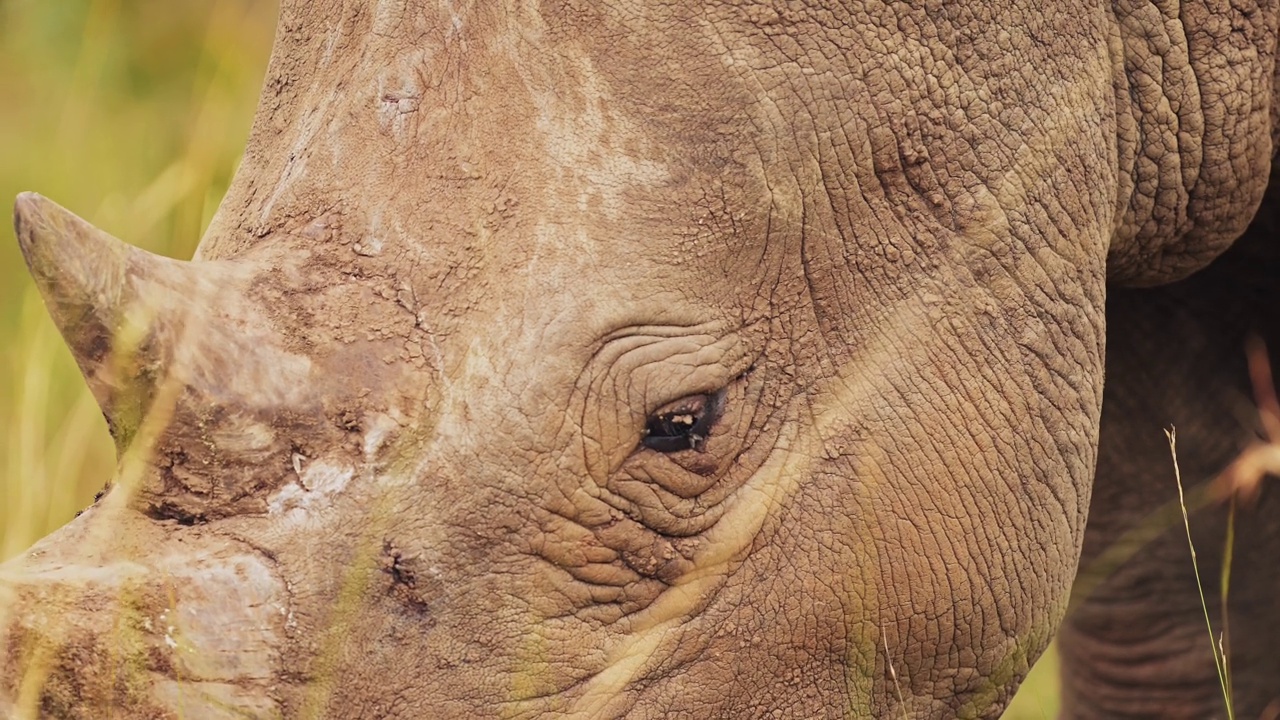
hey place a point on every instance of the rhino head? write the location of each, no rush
(660, 359)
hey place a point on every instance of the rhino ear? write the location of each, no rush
(105, 297)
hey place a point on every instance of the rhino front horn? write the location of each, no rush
(110, 301)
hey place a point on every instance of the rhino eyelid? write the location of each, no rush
(684, 424)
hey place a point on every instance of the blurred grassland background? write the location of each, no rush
(133, 114)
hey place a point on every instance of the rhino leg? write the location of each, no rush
(1135, 642)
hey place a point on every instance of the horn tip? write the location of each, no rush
(78, 269)
(28, 210)
(58, 244)
(43, 226)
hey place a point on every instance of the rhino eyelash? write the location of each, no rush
(684, 424)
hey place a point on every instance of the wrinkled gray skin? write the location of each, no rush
(382, 440)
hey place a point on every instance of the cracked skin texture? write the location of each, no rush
(489, 241)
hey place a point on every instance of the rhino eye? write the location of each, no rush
(684, 424)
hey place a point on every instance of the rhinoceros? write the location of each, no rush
(674, 359)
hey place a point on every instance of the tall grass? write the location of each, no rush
(1216, 646)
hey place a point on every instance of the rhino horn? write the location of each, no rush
(106, 297)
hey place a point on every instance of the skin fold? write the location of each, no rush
(395, 410)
